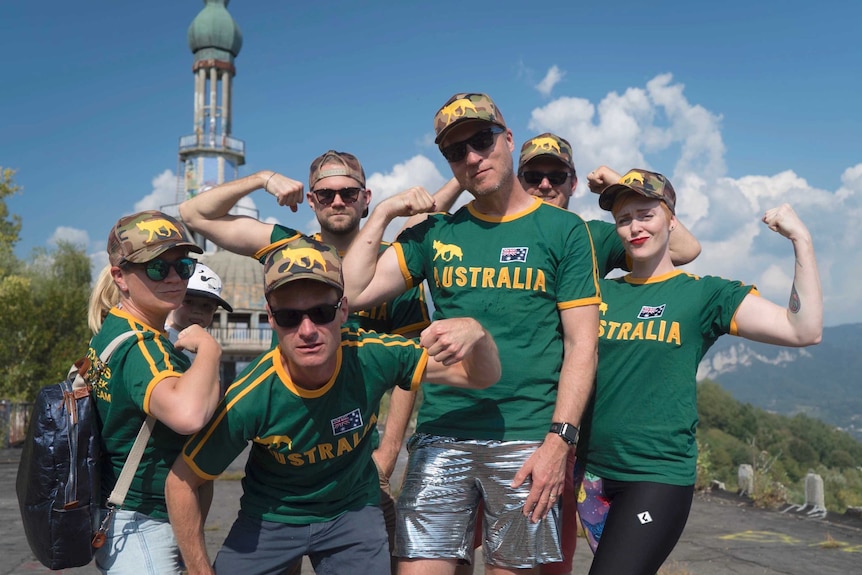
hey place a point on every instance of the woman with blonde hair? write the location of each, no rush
(637, 453)
(147, 376)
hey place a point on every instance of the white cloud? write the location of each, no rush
(164, 193)
(74, 236)
(656, 127)
(551, 79)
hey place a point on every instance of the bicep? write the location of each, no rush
(683, 246)
(239, 234)
(454, 375)
(388, 282)
(759, 319)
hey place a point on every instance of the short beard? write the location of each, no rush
(341, 229)
(504, 183)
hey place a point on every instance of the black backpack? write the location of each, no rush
(58, 483)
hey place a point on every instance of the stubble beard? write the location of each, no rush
(504, 182)
(340, 228)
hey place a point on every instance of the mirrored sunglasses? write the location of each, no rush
(480, 141)
(534, 178)
(325, 196)
(158, 269)
(319, 314)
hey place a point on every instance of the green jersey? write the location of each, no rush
(513, 275)
(652, 335)
(310, 459)
(123, 402)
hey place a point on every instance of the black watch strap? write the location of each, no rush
(567, 431)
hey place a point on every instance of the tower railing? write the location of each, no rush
(194, 142)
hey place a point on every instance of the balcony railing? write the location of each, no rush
(243, 338)
(218, 143)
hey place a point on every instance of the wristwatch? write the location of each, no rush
(567, 431)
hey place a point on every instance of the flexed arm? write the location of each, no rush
(461, 353)
(369, 280)
(208, 212)
(801, 322)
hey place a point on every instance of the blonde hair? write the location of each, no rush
(105, 295)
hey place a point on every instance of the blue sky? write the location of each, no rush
(741, 104)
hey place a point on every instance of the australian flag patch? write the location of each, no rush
(513, 255)
(347, 422)
(651, 311)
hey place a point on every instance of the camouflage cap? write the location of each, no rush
(643, 182)
(335, 164)
(302, 258)
(144, 236)
(547, 144)
(461, 107)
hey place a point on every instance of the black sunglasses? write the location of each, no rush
(319, 314)
(534, 178)
(481, 140)
(325, 197)
(158, 269)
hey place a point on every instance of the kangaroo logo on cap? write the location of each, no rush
(632, 177)
(546, 144)
(162, 228)
(457, 109)
(299, 255)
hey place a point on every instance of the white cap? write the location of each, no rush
(206, 283)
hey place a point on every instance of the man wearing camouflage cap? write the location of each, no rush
(526, 270)
(339, 198)
(546, 169)
(308, 406)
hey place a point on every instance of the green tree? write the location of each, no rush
(10, 225)
(43, 308)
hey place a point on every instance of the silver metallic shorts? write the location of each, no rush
(444, 483)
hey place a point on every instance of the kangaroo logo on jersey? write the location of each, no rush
(275, 442)
(513, 255)
(446, 251)
(347, 422)
(651, 311)
(159, 227)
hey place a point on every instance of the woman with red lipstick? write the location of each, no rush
(637, 453)
(149, 269)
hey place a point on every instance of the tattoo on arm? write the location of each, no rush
(794, 305)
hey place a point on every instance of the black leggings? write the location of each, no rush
(644, 522)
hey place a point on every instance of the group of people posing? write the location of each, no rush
(550, 389)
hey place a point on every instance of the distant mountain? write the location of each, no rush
(823, 381)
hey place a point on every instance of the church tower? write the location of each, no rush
(211, 155)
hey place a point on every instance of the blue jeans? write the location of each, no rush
(138, 544)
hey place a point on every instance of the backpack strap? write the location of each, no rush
(118, 494)
(124, 481)
(79, 370)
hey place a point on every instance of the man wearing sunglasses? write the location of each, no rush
(308, 406)
(525, 269)
(546, 170)
(339, 198)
